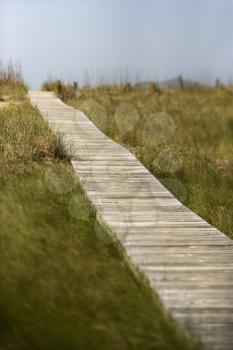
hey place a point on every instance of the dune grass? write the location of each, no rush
(184, 137)
(63, 285)
(12, 87)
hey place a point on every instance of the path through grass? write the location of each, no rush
(184, 137)
(63, 285)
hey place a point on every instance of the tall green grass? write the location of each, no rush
(64, 284)
(26, 140)
(195, 161)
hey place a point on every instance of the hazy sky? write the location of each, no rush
(148, 39)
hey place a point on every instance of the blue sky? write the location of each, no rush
(102, 40)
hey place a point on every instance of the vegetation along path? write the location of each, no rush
(187, 261)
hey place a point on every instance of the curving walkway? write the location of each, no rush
(187, 261)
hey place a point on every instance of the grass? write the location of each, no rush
(26, 140)
(184, 137)
(12, 87)
(63, 284)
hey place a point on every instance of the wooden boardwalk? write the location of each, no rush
(187, 261)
